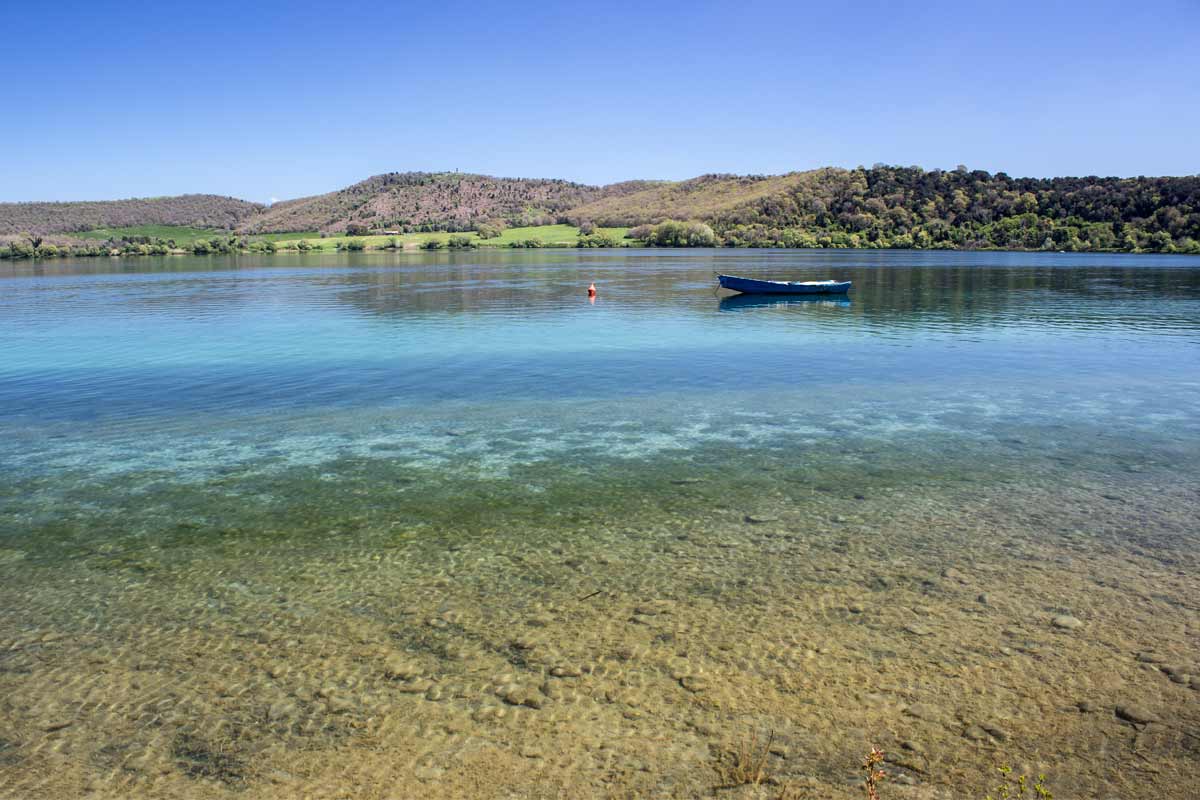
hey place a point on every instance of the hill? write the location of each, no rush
(190, 210)
(416, 201)
(880, 207)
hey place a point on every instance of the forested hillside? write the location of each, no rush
(911, 207)
(190, 210)
(416, 201)
(880, 207)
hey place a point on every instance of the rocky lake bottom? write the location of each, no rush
(617, 636)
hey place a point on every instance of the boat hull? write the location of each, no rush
(752, 286)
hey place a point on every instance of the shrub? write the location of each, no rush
(357, 229)
(461, 242)
(488, 230)
(352, 244)
(673, 233)
(597, 240)
(432, 244)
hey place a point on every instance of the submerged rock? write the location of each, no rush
(1139, 715)
(520, 696)
(1066, 622)
(400, 669)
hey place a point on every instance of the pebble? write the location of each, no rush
(950, 573)
(554, 690)
(566, 672)
(414, 687)
(395, 668)
(337, 704)
(856, 608)
(917, 629)
(694, 683)
(281, 710)
(998, 734)
(519, 696)
(1149, 657)
(1066, 622)
(652, 609)
(1139, 715)
(983, 599)
(923, 711)
(760, 519)
(976, 734)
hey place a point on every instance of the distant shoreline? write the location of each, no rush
(158, 240)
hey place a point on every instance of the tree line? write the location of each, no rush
(908, 207)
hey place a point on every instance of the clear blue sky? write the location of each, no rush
(277, 100)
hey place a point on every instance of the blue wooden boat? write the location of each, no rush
(753, 286)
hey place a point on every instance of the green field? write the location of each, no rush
(182, 236)
(284, 237)
(548, 235)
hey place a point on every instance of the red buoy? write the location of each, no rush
(592, 290)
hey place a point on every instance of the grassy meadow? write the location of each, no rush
(183, 235)
(546, 235)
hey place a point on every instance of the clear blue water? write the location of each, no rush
(187, 364)
(240, 484)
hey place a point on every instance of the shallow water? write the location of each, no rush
(436, 525)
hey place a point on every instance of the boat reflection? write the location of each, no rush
(747, 302)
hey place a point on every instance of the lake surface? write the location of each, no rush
(408, 525)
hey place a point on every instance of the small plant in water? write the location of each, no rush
(874, 774)
(747, 764)
(1020, 787)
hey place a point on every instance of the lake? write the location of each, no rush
(438, 525)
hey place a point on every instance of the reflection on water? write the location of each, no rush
(401, 525)
(740, 302)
